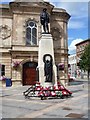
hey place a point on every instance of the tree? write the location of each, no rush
(84, 62)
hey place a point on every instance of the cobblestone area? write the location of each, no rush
(14, 105)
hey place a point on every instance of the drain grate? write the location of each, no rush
(66, 108)
(74, 115)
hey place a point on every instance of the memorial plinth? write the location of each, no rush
(46, 47)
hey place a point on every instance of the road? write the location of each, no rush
(14, 105)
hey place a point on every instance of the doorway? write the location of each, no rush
(29, 73)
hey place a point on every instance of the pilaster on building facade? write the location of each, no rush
(20, 32)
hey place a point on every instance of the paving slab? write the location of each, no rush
(15, 105)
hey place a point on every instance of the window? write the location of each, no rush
(3, 70)
(31, 33)
(83, 47)
(80, 48)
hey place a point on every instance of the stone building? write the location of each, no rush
(73, 67)
(80, 48)
(20, 32)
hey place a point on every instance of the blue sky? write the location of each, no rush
(78, 23)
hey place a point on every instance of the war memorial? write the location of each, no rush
(33, 48)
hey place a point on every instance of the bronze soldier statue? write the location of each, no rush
(44, 19)
(48, 68)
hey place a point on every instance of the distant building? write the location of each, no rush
(73, 67)
(79, 50)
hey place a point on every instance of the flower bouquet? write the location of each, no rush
(3, 78)
(61, 66)
(15, 64)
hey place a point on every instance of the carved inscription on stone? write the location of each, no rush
(5, 31)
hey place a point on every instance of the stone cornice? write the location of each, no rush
(25, 48)
(5, 11)
(30, 6)
(63, 16)
(6, 16)
(60, 48)
(60, 13)
(25, 13)
(60, 54)
(4, 50)
(59, 10)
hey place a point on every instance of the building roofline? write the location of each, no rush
(4, 6)
(83, 42)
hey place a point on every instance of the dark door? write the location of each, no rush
(29, 73)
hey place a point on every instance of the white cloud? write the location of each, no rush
(72, 47)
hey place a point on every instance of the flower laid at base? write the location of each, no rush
(15, 64)
(52, 91)
(61, 66)
(3, 78)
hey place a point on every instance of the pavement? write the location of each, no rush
(15, 105)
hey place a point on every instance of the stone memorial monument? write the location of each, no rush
(46, 62)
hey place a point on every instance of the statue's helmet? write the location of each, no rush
(44, 9)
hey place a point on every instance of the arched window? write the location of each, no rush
(31, 33)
